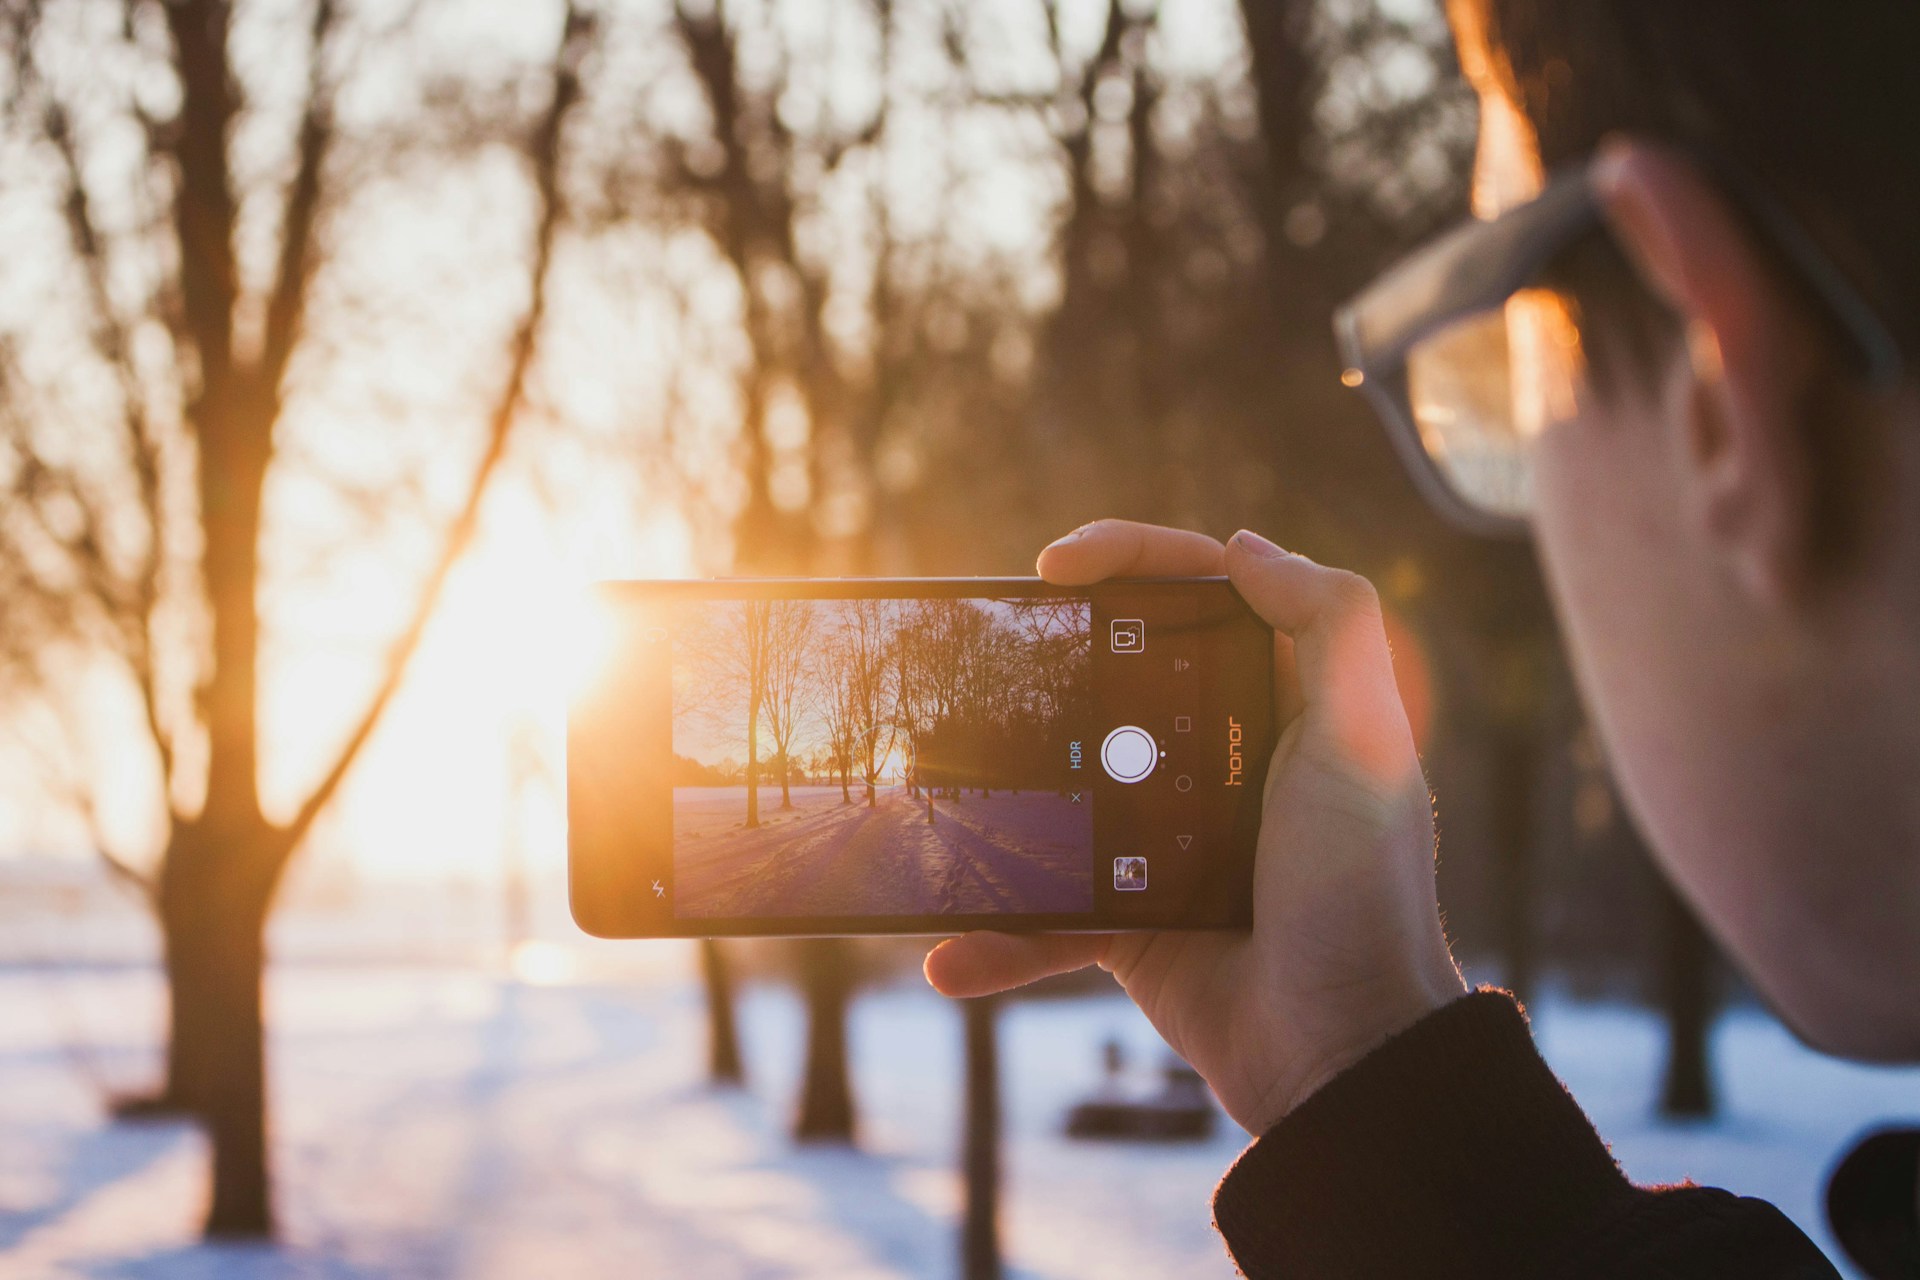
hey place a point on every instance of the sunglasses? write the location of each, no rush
(1468, 361)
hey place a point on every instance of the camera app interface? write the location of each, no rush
(970, 756)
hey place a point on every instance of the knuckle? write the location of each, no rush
(1354, 596)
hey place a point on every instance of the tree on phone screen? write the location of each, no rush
(835, 708)
(792, 631)
(865, 654)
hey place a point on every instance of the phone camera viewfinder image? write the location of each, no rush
(880, 757)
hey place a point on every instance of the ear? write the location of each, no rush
(1753, 363)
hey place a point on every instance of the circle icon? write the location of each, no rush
(1129, 754)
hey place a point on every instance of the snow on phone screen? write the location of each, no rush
(882, 757)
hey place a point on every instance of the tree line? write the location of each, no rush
(948, 695)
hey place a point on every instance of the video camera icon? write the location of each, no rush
(1128, 635)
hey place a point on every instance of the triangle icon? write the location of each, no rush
(1185, 841)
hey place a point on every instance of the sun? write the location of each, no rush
(468, 765)
(523, 622)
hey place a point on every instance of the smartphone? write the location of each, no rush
(862, 756)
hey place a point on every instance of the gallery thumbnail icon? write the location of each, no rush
(1129, 874)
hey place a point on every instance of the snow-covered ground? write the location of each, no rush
(443, 1122)
(1007, 852)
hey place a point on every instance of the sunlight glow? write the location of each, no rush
(465, 775)
(586, 635)
(544, 964)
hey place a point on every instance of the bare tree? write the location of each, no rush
(790, 639)
(141, 548)
(1057, 641)
(836, 710)
(735, 658)
(866, 652)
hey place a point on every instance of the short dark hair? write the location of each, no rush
(1819, 103)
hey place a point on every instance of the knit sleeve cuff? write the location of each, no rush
(1451, 1150)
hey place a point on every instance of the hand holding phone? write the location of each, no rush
(1347, 946)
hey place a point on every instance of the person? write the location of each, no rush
(1697, 249)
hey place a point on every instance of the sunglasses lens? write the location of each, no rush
(1484, 388)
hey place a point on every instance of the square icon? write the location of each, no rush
(1183, 724)
(1129, 874)
(1129, 635)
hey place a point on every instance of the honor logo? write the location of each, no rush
(1234, 739)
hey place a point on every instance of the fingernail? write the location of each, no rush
(1075, 536)
(1249, 541)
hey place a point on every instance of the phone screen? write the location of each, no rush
(891, 757)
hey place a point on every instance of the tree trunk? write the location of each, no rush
(753, 759)
(723, 1040)
(234, 1105)
(215, 953)
(826, 1096)
(786, 782)
(980, 1227)
(1686, 982)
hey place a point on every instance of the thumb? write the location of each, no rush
(1349, 700)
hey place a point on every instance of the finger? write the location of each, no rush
(1127, 549)
(1287, 702)
(979, 964)
(1341, 661)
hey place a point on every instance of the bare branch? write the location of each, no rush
(203, 206)
(1110, 40)
(136, 880)
(130, 607)
(546, 155)
(286, 304)
(51, 759)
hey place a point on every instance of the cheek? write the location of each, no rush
(1606, 549)
(1588, 551)
(1641, 631)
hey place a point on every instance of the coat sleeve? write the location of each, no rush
(1453, 1151)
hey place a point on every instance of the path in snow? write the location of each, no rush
(1009, 852)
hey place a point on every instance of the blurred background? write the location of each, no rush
(343, 341)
